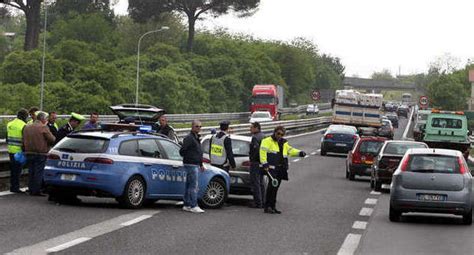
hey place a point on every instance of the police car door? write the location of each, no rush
(154, 167)
(171, 153)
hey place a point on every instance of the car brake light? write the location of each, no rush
(462, 166)
(404, 164)
(99, 160)
(205, 160)
(52, 156)
(356, 159)
(329, 136)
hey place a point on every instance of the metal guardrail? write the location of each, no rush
(241, 129)
(201, 116)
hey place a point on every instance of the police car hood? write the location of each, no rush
(140, 113)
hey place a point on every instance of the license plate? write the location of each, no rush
(340, 144)
(68, 177)
(431, 197)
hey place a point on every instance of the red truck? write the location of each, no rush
(267, 98)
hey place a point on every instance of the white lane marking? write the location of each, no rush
(359, 225)
(373, 192)
(371, 201)
(306, 156)
(313, 153)
(309, 133)
(136, 220)
(296, 160)
(318, 151)
(366, 211)
(350, 244)
(90, 231)
(5, 193)
(68, 244)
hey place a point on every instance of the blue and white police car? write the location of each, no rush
(134, 168)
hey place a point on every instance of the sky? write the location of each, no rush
(403, 36)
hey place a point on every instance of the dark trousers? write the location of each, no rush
(15, 173)
(36, 165)
(256, 183)
(271, 195)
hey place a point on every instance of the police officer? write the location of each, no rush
(256, 173)
(69, 127)
(274, 152)
(221, 148)
(14, 143)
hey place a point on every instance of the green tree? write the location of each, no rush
(142, 10)
(385, 74)
(448, 92)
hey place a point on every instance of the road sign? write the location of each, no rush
(423, 101)
(315, 95)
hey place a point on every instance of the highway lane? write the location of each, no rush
(319, 208)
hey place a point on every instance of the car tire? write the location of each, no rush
(467, 218)
(215, 195)
(134, 193)
(323, 152)
(394, 215)
(377, 185)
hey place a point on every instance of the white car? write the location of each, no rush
(312, 109)
(260, 117)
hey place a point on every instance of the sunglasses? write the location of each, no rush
(198, 126)
(280, 133)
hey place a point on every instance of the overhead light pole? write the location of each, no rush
(44, 53)
(138, 57)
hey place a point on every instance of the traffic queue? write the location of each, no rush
(429, 174)
(139, 160)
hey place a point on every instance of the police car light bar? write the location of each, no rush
(145, 129)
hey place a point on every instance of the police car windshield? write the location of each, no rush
(82, 144)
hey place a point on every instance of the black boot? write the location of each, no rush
(276, 211)
(268, 210)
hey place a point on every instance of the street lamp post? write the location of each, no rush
(44, 53)
(138, 57)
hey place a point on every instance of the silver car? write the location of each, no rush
(432, 180)
(240, 177)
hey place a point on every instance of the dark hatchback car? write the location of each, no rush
(359, 161)
(338, 139)
(386, 130)
(403, 111)
(393, 118)
(388, 159)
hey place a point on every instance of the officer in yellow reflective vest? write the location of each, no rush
(15, 143)
(220, 148)
(274, 152)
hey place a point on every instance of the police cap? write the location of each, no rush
(77, 116)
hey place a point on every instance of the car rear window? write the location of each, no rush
(433, 164)
(446, 123)
(401, 148)
(83, 144)
(371, 147)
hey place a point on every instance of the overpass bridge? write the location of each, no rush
(378, 85)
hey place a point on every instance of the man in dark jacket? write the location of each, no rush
(256, 173)
(165, 129)
(221, 154)
(191, 152)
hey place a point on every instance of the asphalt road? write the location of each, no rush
(322, 211)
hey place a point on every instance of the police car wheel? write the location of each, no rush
(134, 194)
(215, 195)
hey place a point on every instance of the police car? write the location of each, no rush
(133, 167)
